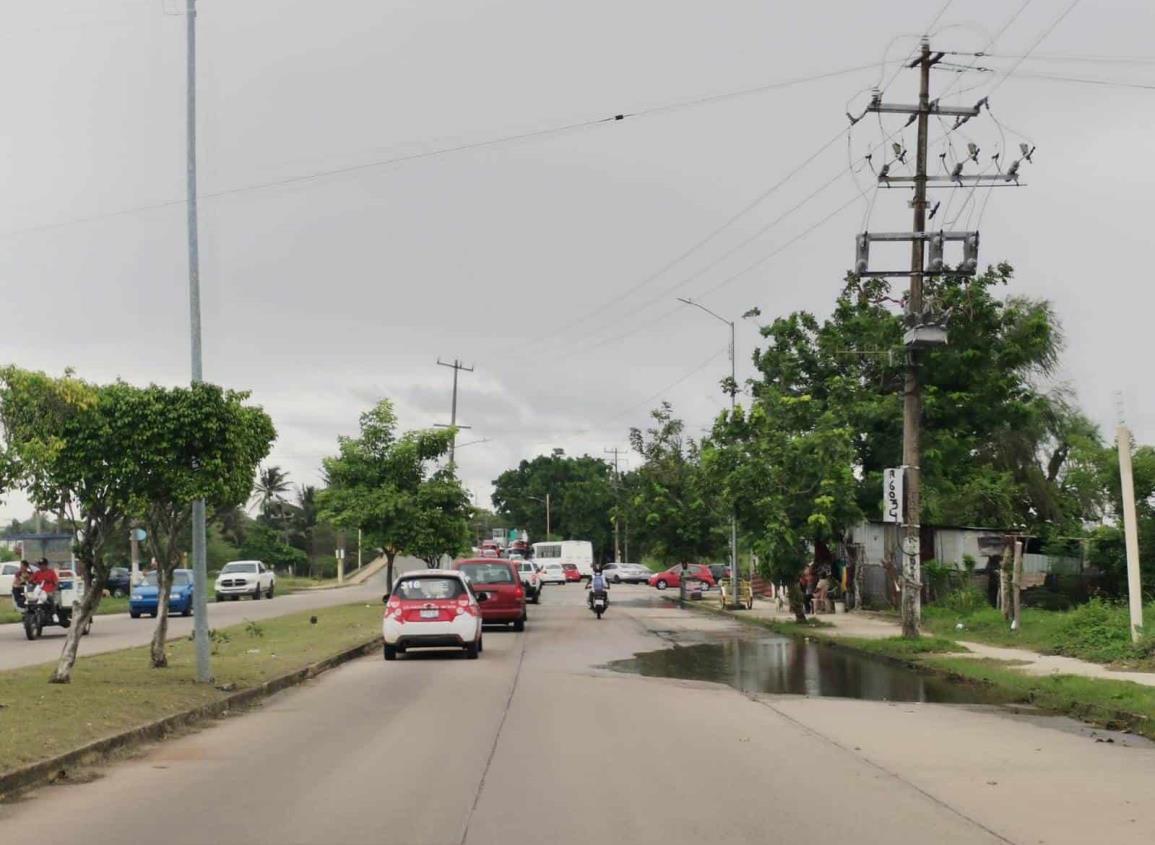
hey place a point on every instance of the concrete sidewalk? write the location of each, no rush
(867, 625)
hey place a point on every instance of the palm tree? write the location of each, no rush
(271, 483)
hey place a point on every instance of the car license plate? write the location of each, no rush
(431, 614)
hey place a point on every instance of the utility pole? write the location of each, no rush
(617, 479)
(200, 567)
(924, 329)
(457, 367)
(1130, 534)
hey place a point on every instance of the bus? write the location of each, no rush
(579, 552)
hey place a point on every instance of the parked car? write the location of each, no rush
(572, 573)
(245, 578)
(672, 577)
(119, 581)
(719, 570)
(552, 573)
(626, 573)
(500, 581)
(180, 597)
(8, 576)
(432, 609)
(530, 579)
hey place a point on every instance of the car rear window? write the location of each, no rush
(487, 573)
(569, 565)
(427, 589)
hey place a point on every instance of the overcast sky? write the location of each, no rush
(533, 260)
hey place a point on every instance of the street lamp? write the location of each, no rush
(733, 399)
(545, 501)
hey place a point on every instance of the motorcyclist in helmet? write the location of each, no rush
(598, 584)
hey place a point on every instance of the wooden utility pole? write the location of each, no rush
(912, 395)
(617, 476)
(457, 367)
(1017, 586)
(924, 328)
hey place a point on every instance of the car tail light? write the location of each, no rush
(467, 610)
(519, 592)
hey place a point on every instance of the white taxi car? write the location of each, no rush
(435, 608)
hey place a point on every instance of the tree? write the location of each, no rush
(71, 446)
(994, 443)
(380, 482)
(785, 468)
(580, 492)
(443, 516)
(268, 491)
(675, 515)
(198, 442)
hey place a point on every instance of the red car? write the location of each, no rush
(572, 573)
(672, 577)
(499, 579)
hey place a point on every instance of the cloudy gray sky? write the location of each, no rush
(534, 260)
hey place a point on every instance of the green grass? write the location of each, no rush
(1112, 704)
(1097, 631)
(296, 583)
(116, 691)
(8, 612)
(900, 647)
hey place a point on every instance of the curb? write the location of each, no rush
(46, 771)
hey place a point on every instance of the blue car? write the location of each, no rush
(180, 597)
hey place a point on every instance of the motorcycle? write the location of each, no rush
(599, 601)
(41, 609)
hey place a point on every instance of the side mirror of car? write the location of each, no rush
(385, 599)
(482, 598)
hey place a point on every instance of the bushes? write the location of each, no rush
(1100, 631)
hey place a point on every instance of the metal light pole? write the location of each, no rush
(733, 399)
(200, 569)
(544, 501)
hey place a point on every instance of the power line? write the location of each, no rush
(1109, 83)
(446, 150)
(1042, 37)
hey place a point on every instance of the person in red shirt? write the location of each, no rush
(46, 577)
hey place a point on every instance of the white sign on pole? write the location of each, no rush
(892, 494)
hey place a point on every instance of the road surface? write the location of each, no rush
(118, 630)
(535, 743)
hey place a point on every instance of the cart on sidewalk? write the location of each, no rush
(726, 595)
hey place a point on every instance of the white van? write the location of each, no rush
(577, 552)
(8, 572)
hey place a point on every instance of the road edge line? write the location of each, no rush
(46, 771)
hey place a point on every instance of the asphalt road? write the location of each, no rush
(535, 743)
(118, 630)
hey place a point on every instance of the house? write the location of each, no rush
(876, 546)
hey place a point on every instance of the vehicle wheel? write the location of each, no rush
(219, 598)
(154, 614)
(471, 651)
(272, 589)
(38, 627)
(519, 625)
(188, 609)
(29, 628)
(257, 593)
(390, 652)
(480, 644)
(661, 585)
(135, 614)
(617, 579)
(599, 613)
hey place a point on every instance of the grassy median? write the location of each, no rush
(117, 691)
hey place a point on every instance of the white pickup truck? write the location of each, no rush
(530, 579)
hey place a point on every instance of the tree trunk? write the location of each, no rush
(160, 634)
(95, 582)
(389, 555)
(1005, 582)
(796, 605)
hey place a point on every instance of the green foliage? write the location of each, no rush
(673, 511)
(254, 629)
(384, 483)
(581, 496)
(265, 544)
(964, 601)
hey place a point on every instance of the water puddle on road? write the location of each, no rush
(790, 666)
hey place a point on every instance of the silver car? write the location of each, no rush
(626, 573)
